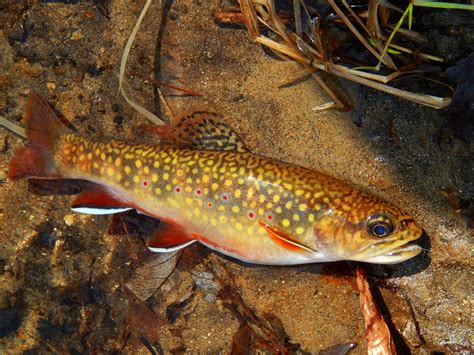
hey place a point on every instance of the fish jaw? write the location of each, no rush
(396, 255)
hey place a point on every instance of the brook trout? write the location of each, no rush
(204, 184)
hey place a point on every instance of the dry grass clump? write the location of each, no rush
(310, 42)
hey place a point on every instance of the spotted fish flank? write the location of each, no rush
(206, 186)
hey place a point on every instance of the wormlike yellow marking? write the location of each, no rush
(311, 217)
(156, 164)
(223, 219)
(239, 226)
(168, 187)
(136, 179)
(189, 200)
(303, 207)
(146, 169)
(214, 186)
(154, 178)
(118, 162)
(288, 205)
(166, 176)
(127, 170)
(285, 223)
(158, 191)
(296, 217)
(110, 171)
(235, 209)
(299, 230)
(228, 183)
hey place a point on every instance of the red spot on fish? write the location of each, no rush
(177, 189)
(145, 183)
(199, 191)
(209, 204)
(251, 215)
(225, 197)
(269, 217)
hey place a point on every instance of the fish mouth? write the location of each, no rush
(395, 255)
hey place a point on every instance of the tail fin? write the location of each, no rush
(42, 130)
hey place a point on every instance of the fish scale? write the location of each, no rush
(213, 190)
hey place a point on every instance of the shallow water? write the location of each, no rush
(70, 284)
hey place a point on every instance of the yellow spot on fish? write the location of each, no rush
(228, 183)
(97, 152)
(188, 189)
(235, 209)
(127, 170)
(299, 230)
(179, 172)
(346, 207)
(269, 205)
(195, 171)
(95, 165)
(311, 217)
(326, 200)
(166, 176)
(214, 186)
(102, 156)
(276, 198)
(318, 194)
(205, 179)
(146, 169)
(174, 181)
(189, 200)
(303, 207)
(213, 222)
(197, 212)
(261, 198)
(138, 163)
(118, 176)
(168, 187)
(239, 226)
(126, 183)
(221, 208)
(285, 223)
(118, 162)
(317, 207)
(89, 156)
(222, 170)
(110, 171)
(136, 179)
(261, 230)
(296, 217)
(240, 181)
(278, 209)
(154, 178)
(102, 171)
(156, 164)
(158, 191)
(81, 157)
(242, 171)
(237, 193)
(299, 192)
(261, 211)
(288, 205)
(223, 219)
(167, 160)
(189, 180)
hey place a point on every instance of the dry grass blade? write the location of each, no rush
(250, 17)
(12, 127)
(338, 103)
(359, 36)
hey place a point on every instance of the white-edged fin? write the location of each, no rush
(172, 248)
(100, 211)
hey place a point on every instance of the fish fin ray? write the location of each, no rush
(200, 130)
(97, 199)
(285, 240)
(42, 130)
(169, 237)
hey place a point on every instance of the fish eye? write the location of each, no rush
(380, 225)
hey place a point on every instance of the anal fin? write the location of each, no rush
(169, 237)
(285, 240)
(97, 199)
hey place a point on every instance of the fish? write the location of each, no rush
(205, 185)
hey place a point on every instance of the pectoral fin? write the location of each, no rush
(169, 237)
(286, 240)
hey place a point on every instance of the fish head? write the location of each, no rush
(375, 232)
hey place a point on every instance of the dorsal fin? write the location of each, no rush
(200, 130)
